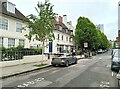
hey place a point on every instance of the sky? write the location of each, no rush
(98, 11)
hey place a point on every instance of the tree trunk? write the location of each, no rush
(42, 52)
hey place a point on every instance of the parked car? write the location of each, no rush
(115, 63)
(113, 51)
(63, 59)
(100, 51)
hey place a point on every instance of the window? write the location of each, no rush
(21, 42)
(62, 37)
(10, 7)
(58, 36)
(3, 23)
(66, 30)
(11, 42)
(1, 41)
(19, 27)
(59, 27)
(70, 39)
(66, 38)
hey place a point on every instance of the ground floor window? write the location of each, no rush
(11, 42)
(21, 42)
(1, 41)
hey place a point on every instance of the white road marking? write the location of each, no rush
(31, 82)
(20, 86)
(108, 66)
(104, 84)
(100, 58)
(112, 74)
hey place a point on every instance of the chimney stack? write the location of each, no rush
(65, 19)
(60, 19)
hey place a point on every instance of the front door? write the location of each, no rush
(50, 46)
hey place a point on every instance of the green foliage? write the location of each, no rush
(87, 32)
(42, 25)
(16, 53)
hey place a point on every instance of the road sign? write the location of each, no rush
(85, 45)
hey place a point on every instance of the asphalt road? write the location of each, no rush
(91, 72)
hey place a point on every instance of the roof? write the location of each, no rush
(17, 15)
(64, 27)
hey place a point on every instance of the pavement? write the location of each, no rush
(10, 71)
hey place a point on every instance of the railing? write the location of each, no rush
(16, 55)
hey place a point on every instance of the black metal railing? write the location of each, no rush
(16, 55)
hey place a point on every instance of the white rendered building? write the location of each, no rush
(11, 35)
(11, 22)
(63, 38)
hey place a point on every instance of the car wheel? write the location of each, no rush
(111, 68)
(67, 64)
(54, 65)
(75, 62)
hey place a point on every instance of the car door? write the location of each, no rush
(69, 58)
(72, 58)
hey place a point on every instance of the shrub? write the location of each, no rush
(16, 53)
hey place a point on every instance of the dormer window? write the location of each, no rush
(10, 7)
(59, 28)
(66, 30)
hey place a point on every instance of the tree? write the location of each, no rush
(41, 26)
(85, 32)
(103, 42)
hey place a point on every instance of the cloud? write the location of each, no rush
(98, 11)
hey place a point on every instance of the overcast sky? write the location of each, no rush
(98, 11)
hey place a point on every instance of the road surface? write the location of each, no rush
(90, 72)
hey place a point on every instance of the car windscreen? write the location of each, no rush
(117, 54)
(58, 55)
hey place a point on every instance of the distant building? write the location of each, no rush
(100, 27)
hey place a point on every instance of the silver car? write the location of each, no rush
(64, 59)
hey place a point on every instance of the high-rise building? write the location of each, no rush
(118, 37)
(118, 16)
(100, 27)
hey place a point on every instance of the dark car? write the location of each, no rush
(64, 59)
(115, 64)
(113, 51)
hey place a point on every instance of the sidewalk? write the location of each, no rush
(24, 68)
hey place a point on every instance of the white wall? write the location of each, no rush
(26, 59)
(11, 32)
(60, 41)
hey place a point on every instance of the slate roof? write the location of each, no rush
(17, 15)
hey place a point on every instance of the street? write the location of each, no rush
(90, 72)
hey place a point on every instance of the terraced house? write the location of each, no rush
(11, 35)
